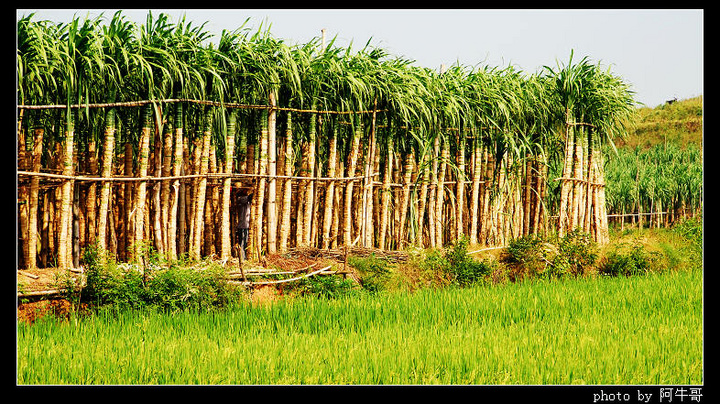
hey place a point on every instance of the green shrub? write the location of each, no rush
(531, 256)
(373, 272)
(577, 252)
(636, 261)
(456, 265)
(111, 284)
(329, 287)
(167, 288)
(526, 256)
(462, 267)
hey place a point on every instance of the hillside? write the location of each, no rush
(679, 123)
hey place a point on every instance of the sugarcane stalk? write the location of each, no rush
(141, 190)
(64, 239)
(354, 152)
(225, 236)
(287, 185)
(475, 198)
(200, 192)
(386, 194)
(405, 204)
(440, 196)
(309, 200)
(566, 186)
(460, 187)
(107, 164)
(272, 171)
(432, 200)
(91, 199)
(31, 261)
(157, 160)
(262, 163)
(330, 190)
(172, 232)
(166, 171)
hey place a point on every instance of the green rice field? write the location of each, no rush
(591, 330)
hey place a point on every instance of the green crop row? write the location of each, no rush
(600, 330)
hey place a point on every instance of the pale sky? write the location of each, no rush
(658, 51)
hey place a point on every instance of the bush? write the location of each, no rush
(456, 265)
(691, 229)
(532, 256)
(373, 272)
(526, 256)
(577, 253)
(181, 288)
(329, 287)
(128, 286)
(636, 261)
(110, 284)
(463, 268)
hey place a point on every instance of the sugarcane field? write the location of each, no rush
(334, 193)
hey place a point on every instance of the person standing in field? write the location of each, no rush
(243, 226)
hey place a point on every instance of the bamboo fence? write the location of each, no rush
(401, 200)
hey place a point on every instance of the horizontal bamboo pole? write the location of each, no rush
(486, 249)
(265, 272)
(50, 292)
(201, 102)
(209, 175)
(597, 184)
(284, 280)
(638, 214)
(627, 214)
(28, 274)
(420, 183)
(580, 124)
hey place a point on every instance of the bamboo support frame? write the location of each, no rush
(502, 211)
(140, 103)
(160, 186)
(83, 178)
